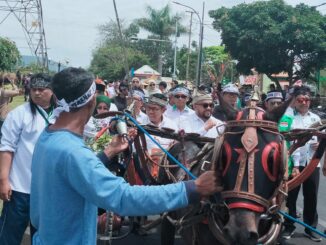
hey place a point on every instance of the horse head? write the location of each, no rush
(252, 165)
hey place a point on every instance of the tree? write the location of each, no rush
(106, 62)
(217, 64)
(9, 55)
(109, 32)
(154, 49)
(274, 37)
(161, 24)
(107, 57)
(182, 58)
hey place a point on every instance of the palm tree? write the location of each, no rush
(161, 24)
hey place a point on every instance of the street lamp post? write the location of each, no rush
(174, 76)
(200, 52)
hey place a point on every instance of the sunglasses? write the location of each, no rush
(275, 102)
(152, 84)
(206, 105)
(180, 96)
(135, 81)
(102, 108)
(303, 100)
(154, 109)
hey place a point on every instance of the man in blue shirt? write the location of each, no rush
(69, 182)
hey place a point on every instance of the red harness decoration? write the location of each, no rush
(253, 207)
(276, 160)
(228, 153)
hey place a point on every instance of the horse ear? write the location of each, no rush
(230, 112)
(276, 114)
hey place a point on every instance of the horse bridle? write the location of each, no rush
(250, 141)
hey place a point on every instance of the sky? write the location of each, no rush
(71, 27)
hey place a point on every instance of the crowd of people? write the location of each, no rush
(48, 176)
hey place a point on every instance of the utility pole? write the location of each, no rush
(201, 21)
(189, 43)
(124, 56)
(174, 75)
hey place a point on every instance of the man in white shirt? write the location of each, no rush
(155, 107)
(303, 119)
(203, 122)
(181, 114)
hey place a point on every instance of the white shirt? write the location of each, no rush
(113, 107)
(94, 125)
(304, 154)
(197, 125)
(180, 118)
(111, 91)
(20, 132)
(165, 143)
(142, 118)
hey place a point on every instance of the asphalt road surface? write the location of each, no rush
(153, 237)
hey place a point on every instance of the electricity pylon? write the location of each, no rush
(30, 15)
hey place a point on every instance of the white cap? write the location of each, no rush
(274, 95)
(230, 88)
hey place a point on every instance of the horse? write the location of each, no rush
(250, 160)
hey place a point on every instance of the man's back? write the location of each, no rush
(49, 183)
(65, 170)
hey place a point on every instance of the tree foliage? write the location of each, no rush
(182, 59)
(217, 64)
(153, 50)
(273, 37)
(162, 24)
(107, 58)
(9, 54)
(107, 61)
(109, 32)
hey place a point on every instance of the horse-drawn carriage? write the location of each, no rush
(250, 161)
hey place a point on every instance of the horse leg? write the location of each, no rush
(167, 232)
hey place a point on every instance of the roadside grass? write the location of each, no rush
(17, 100)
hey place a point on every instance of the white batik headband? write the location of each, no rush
(62, 105)
(181, 90)
(139, 94)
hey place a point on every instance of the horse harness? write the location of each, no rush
(249, 141)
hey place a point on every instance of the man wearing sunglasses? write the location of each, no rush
(181, 114)
(303, 119)
(203, 122)
(121, 99)
(230, 94)
(273, 100)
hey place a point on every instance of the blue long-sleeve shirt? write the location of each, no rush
(69, 182)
